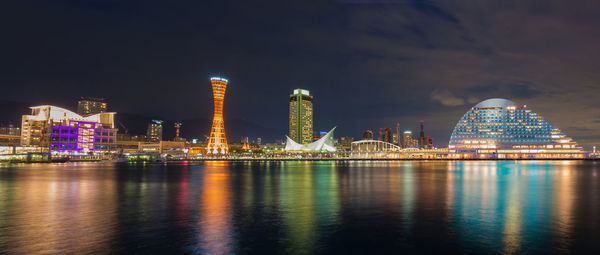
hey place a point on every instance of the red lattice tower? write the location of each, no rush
(217, 142)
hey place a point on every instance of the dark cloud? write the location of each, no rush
(507, 89)
(430, 8)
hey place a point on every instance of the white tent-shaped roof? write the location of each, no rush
(324, 144)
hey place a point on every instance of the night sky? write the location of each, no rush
(369, 64)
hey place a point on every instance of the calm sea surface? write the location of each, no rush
(477, 207)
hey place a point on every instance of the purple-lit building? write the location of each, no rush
(83, 136)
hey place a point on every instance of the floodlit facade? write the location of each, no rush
(83, 136)
(62, 130)
(501, 129)
(217, 142)
(301, 116)
(324, 144)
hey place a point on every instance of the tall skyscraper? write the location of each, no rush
(397, 137)
(409, 141)
(424, 141)
(301, 116)
(155, 130)
(385, 135)
(217, 142)
(422, 134)
(90, 105)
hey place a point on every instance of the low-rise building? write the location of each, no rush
(83, 136)
(59, 129)
(10, 136)
(163, 147)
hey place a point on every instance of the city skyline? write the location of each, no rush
(310, 127)
(384, 62)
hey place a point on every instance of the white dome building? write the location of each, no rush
(502, 129)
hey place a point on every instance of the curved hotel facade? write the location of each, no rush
(501, 129)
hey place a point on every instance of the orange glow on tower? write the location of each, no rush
(217, 142)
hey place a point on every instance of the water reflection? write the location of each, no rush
(57, 210)
(515, 204)
(216, 234)
(301, 207)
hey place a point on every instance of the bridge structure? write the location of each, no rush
(374, 149)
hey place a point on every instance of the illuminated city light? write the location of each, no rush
(324, 144)
(301, 116)
(499, 128)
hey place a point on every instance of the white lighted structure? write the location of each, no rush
(324, 144)
(374, 149)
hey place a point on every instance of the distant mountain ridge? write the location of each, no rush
(137, 124)
(198, 128)
(11, 112)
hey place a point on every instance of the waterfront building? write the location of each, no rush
(196, 150)
(217, 141)
(155, 131)
(324, 144)
(258, 141)
(10, 140)
(499, 128)
(62, 130)
(346, 141)
(82, 136)
(127, 146)
(301, 116)
(173, 148)
(385, 135)
(10, 135)
(10, 130)
(90, 106)
(368, 135)
(409, 141)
